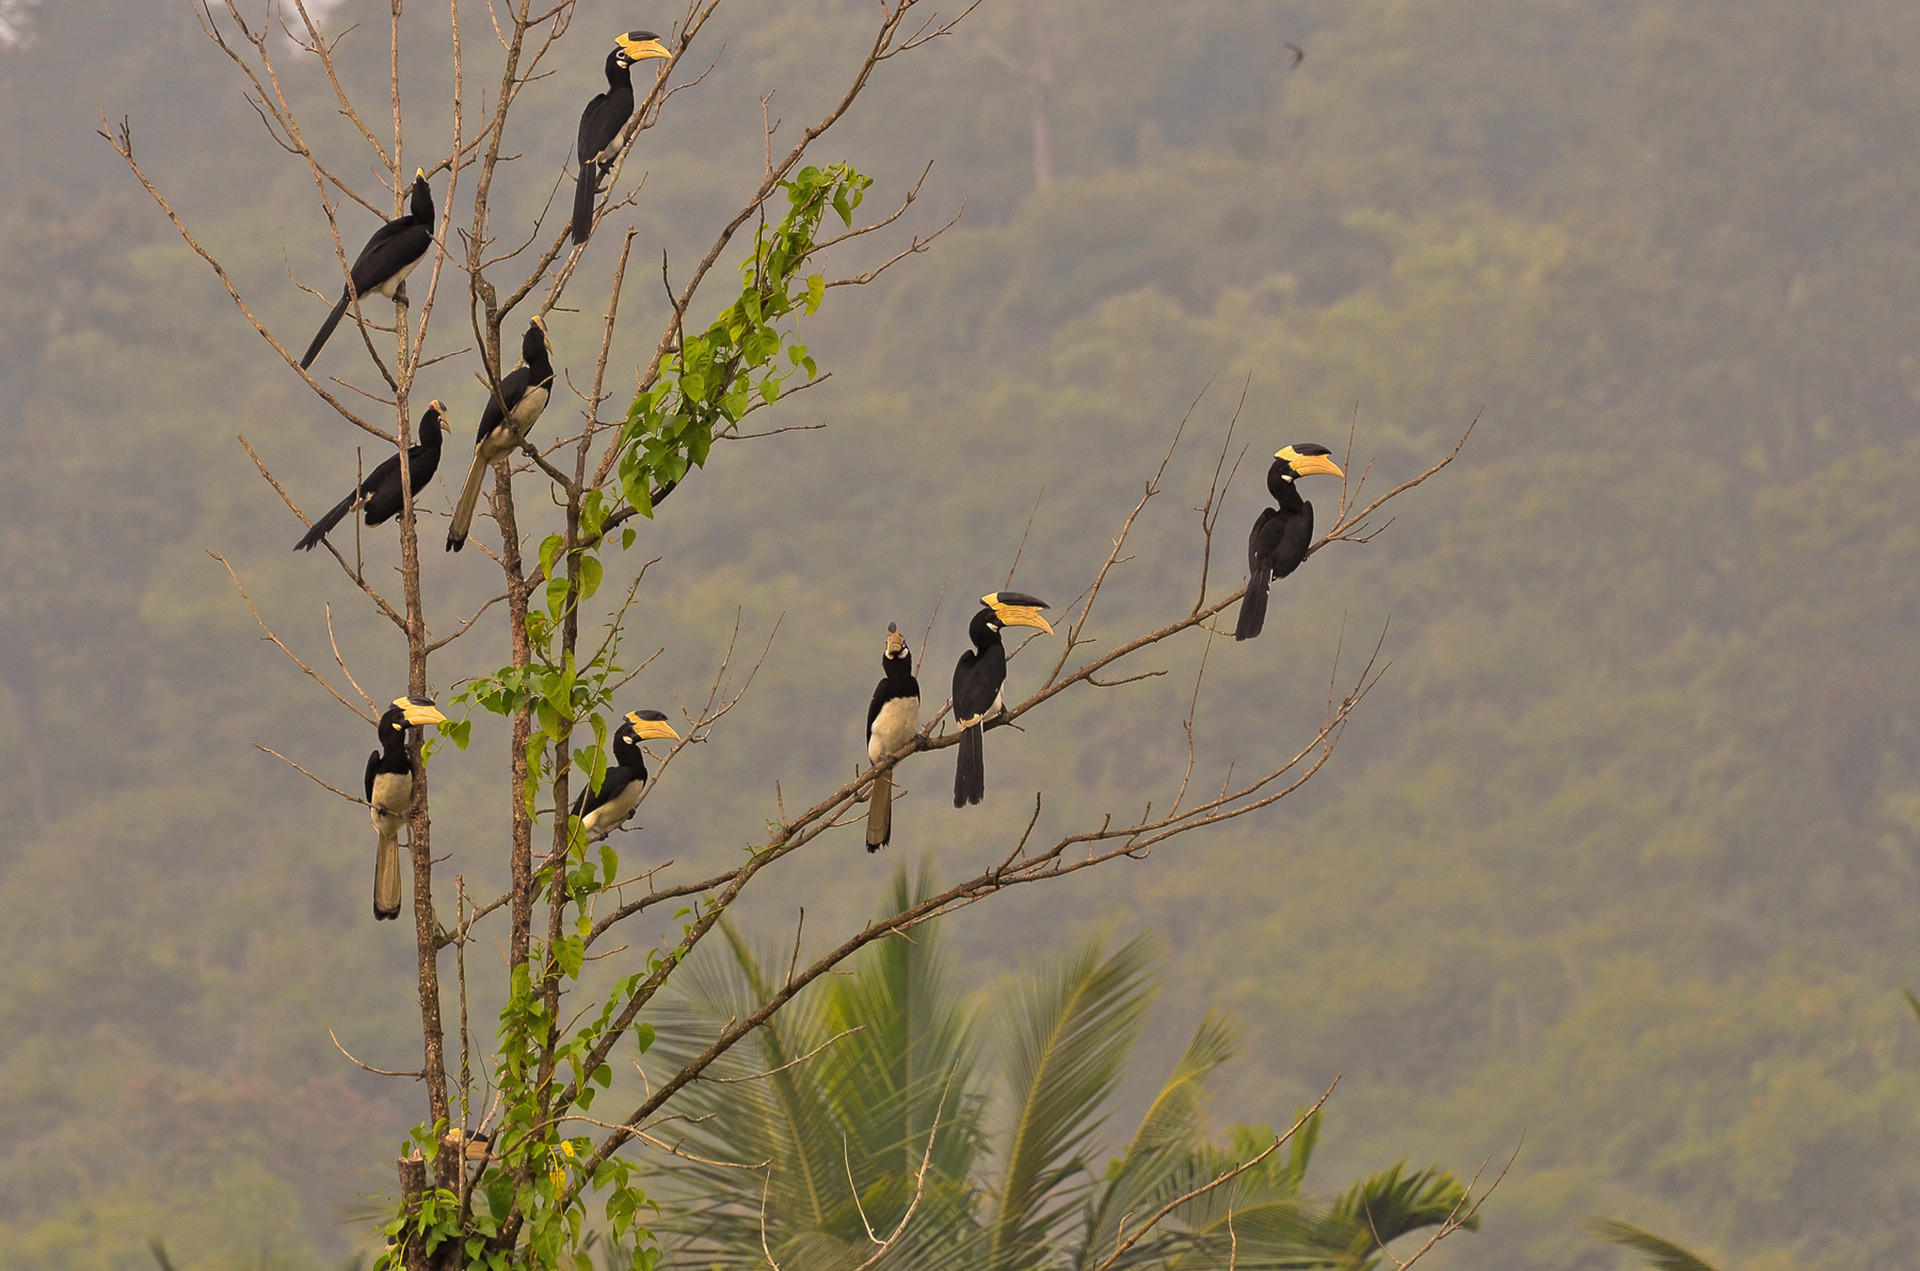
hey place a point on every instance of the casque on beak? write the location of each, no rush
(419, 711)
(641, 49)
(1017, 610)
(651, 726)
(1309, 465)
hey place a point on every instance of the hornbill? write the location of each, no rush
(605, 810)
(383, 264)
(509, 414)
(381, 490)
(1281, 536)
(390, 794)
(604, 119)
(977, 680)
(892, 721)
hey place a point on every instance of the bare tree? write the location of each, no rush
(506, 1160)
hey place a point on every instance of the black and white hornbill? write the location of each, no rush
(892, 721)
(1282, 535)
(509, 414)
(383, 264)
(380, 492)
(605, 810)
(604, 119)
(977, 681)
(390, 794)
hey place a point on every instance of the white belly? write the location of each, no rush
(392, 791)
(392, 284)
(612, 814)
(893, 727)
(527, 409)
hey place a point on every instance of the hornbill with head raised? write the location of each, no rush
(509, 414)
(605, 810)
(383, 264)
(604, 119)
(892, 720)
(977, 680)
(390, 794)
(380, 492)
(1282, 535)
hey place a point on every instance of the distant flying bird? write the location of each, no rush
(604, 119)
(390, 794)
(383, 264)
(892, 720)
(1299, 54)
(509, 414)
(1281, 536)
(977, 681)
(380, 492)
(605, 810)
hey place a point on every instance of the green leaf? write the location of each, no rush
(816, 292)
(590, 574)
(571, 952)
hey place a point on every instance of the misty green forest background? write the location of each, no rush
(1621, 859)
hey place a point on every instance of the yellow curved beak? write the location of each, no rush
(651, 729)
(641, 50)
(1309, 465)
(1016, 615)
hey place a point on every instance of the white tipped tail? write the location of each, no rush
(880, 812)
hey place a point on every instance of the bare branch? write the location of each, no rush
(297, 768)
(1228, 1176)
(293, 657)
(383, 1072)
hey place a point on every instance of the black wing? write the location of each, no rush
(392, 248)
(373, 763)
(1295, 538)
(1260, 543)
(976, 682)
(601, 122)
(383, 499)
(513, 386)
(618, 779)
(873, 710)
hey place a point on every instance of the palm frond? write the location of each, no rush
(1660, 1253)
(782, 1120)
(1377, 1211)
(839, 1094)
(1139, 1182)
(911, 1050)
(1065, 1029)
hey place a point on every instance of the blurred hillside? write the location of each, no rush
(1622, 857)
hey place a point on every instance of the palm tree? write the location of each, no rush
(887, 1100)
(1661, 1254)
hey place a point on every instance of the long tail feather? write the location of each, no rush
(1253, 607)
(469, 499)
(386, 874)
(880, 812)
(324, 526)
(584, 194)
(326, 330)
(970, 771)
